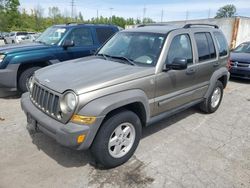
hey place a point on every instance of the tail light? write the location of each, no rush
(229, 62)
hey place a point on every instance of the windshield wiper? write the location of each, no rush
(103, 55)
(129, 61)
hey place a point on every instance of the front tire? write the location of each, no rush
(117, 139)
(24, 78)
(212, 103)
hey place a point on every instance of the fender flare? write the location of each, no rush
(216, 75)
(103, 105)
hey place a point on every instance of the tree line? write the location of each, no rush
(13, 19)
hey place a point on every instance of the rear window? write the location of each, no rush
(104, 34)
(205, 46)
(221, 43)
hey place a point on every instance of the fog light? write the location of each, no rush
(83, 119)
(80, 138)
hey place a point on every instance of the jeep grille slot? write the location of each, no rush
(45, 100)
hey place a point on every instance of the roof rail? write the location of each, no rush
(210, 25)
(152, 24)
(71, 23)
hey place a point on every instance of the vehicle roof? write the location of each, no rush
(70, 25)
(164, 28)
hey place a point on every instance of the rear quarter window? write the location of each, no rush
(221, 43)
(103, 34)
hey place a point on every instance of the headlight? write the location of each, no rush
(68, 103)
(31, 83)
(2, 56)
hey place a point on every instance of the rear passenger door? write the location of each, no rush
(206, 57)
(104, 33)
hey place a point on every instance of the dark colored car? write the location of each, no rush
(56, 44)
(240, 61)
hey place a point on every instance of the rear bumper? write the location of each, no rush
(64, 134)
(240, 72)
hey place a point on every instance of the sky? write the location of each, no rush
(167, 10)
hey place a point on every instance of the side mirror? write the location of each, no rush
(177, 64)
(68, 43)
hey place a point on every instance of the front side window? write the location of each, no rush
(221, 43)
(180, 47)
(205, 46)
(141, 48)
(81, 37)
(52, 35)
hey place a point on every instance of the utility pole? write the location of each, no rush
(97, 14)
(162, 12)
(111, 13)
(72, 4)
(144, 13)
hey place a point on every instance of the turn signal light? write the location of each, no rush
(83, 119)
(80, 138)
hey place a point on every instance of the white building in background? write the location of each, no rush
(236, 29)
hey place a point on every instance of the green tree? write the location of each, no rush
(9, 14)
(226, 11)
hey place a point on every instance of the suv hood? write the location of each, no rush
(83, 75)
(12, 48)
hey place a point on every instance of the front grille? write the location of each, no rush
(240, 64)
(46, 100)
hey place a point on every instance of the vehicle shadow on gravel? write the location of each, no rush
(168, 121)
(71, 158)
(62, 155)
(239, 80)
(4, 94)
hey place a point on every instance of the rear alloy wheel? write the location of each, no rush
(212, 103)
(24, 78)
(117, 139)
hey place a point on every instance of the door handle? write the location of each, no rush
(191, 71)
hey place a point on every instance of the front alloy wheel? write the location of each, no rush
(117, 139)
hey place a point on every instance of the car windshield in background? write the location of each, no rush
(243, 48)
(139, 48)
(21, 33)
(51, 36)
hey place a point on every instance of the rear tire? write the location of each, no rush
(24, 78)
(117, 139)
(212, 103)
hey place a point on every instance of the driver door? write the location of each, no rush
(176, 87)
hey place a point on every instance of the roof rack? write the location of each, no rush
(210, 25)
(152, 24)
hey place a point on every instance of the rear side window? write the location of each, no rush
(205, 46)
(221, 43)
(104, 34)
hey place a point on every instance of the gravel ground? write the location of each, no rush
(190, 149)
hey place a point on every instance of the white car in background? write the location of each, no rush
(15, 37)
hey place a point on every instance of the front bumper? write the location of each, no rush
(8, 76)
(240, 72)
(64, 134)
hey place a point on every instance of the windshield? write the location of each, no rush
(140, 48)
(51, 35)
(243, 48)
